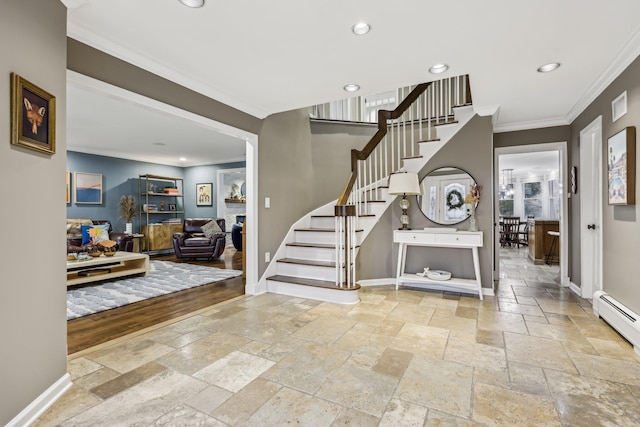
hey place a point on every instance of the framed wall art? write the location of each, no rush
(68, 187)
(87, 188)
(33, 116)
(203, 195)
(621, 167)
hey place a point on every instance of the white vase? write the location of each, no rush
(473, 225)
(128, 228)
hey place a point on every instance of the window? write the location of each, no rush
(532, 199)
(554, 199)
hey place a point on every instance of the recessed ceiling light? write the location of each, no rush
(192, 3)
(361, 28)
(438, 68)
(183, 159)
(351, 87)
(546, 68)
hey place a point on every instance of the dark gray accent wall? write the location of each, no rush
(33, 304)
(620, 226)
(99, 65)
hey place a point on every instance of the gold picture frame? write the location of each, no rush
(33, 116)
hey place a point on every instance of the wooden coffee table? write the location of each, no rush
(105, 268)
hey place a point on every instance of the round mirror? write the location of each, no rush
(443, 194)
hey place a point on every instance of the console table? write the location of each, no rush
(460, 239)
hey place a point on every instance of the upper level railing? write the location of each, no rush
(400, 131)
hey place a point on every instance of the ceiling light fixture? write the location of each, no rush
(192, 3)
(438, 68)
(361, 28)
(183, 159)
(351, 87)
(547, 68)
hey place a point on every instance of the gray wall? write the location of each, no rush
(620, 227)
(204, 174)
(94, 63)
(284, 176)
(331, 145)
(33, 303)
(470, 150)
(532, 136)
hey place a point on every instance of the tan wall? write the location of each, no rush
(620, 226)
(33, 304)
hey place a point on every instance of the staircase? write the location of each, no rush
(317, 257)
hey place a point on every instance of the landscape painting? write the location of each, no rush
(87, 188)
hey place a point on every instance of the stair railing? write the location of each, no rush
(399, 133)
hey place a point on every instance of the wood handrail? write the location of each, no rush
(383, 116)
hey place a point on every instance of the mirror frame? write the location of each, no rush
(420, 196)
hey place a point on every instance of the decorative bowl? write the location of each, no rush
(436, 274)
(109, 251)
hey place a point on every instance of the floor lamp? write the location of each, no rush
(405, 184)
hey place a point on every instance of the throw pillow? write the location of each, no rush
(211, 228)
(94, 233)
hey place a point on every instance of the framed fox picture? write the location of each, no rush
(33, 116)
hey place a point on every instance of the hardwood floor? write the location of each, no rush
(99, 328)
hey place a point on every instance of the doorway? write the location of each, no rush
(530, 181)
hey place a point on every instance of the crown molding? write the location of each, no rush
(74, 4)
(627, 54)
(103, 44)
(533, 124)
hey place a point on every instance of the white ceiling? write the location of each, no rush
(267, 56)
(540, 163)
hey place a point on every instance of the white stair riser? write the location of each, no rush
(317, 254)
(306, 271)
(322, 294)
(321, 237)
(323, 222)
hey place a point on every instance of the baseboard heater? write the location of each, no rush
(621, 318)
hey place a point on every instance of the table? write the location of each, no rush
(120, 265)
(460, 239)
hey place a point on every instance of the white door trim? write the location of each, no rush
(594, 130)
(561, 147)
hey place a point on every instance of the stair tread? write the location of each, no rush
(314, 245)
(429, 140)
(448, 122)
(322, 230)
(311, 282)
(411, 157)
(333, 216)
(307, 262)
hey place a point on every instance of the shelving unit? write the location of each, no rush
(151, 189)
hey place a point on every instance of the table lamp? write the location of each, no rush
(405, 184)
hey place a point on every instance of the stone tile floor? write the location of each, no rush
(533, 355)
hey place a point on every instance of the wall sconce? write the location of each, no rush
(405, 184)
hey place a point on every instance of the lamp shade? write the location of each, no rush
(404, 183)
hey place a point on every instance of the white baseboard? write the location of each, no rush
(36, 408)
(377, 282)
(392, 281)
(575, 288)
(565, 282)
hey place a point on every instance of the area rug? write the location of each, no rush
(164, 278)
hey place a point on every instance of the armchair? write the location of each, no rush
(124, 242)
(193, 243)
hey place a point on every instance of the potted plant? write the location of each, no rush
(127, 209)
